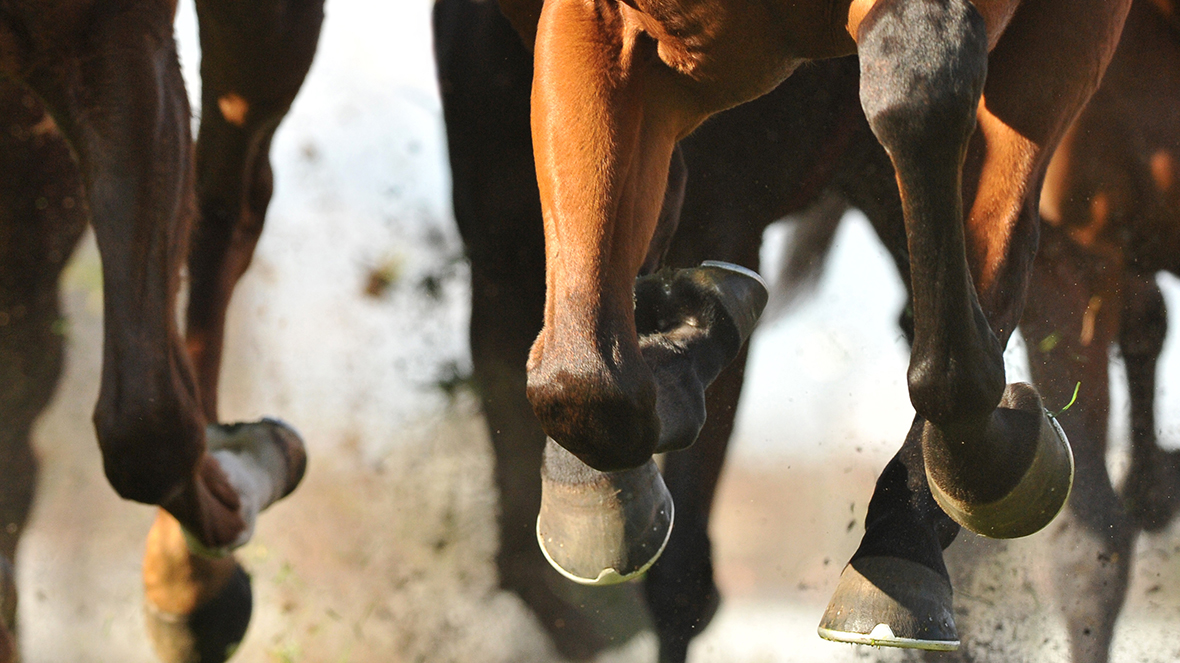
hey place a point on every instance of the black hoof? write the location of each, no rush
(741, 292)
(891, 602)
(601, 528)
(692, 324)
(1038, 496)
(211, 633)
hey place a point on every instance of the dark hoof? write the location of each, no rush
(601, 528)
(740, 291)
(211, 633)
(1037, 497)
(891, 602)
(691, 325)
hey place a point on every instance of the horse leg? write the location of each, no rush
(590, 383)
(120, 101)
(41, 219)
(1069, 323)
(485, 75)
(255, 56)
(681, 593)
(1149, 493)
(993, 460)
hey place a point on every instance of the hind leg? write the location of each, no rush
(1068, 331)
(681, 593)
(1150, 494)
(41, 219)
(255, 56)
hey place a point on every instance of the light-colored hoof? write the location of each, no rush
(1038, 497)
(269, 444)
(601, 528)
(891, 602)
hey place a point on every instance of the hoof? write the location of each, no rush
(891, 602)
(270, 443)
(601, 528)
(1039, 495)
(264, 462)
(741, 292)
(211, 633)
(692, 323)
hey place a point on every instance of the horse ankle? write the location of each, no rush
(601, 410)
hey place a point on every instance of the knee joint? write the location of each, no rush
(923, 66)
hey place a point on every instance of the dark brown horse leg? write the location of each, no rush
(1151, 493)
(993, 458)
(1069, 325)
(126, 115)
(895, 590)
(976, 454)
(680, 589)
(255, 56)
(485, 76)
(1000, 470)
(42, 215)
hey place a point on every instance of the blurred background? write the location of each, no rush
(351, 325)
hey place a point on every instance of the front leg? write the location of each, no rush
(992, 458)
(603, 136)
(996, 463)
(606, 114)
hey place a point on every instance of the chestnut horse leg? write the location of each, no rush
(485, 76)
(992, 458)
(1068, 334)
(42, 215)
(255, 56)
(611, 398)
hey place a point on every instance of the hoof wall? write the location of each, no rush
(1039, 496)
(260, 439)
(741, 292)
(601, 528)
(211, 633)
(891, 602)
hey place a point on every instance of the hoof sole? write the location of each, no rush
(891, 602)
(241, 437)
(211, 634)
(601, 528)
(1039, 496)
